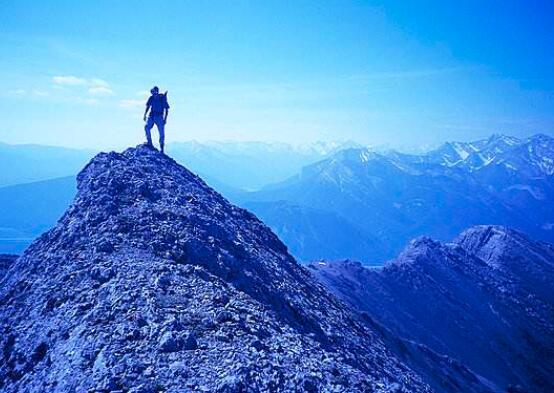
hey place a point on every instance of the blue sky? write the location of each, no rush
(76, 73)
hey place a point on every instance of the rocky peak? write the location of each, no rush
(143, 199)
(541, 139)
(503, 140)
(529, 264)
(500, 245)
(151, 281)
(484, 240)
(421, 250)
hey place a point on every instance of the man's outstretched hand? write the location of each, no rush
(144, 118)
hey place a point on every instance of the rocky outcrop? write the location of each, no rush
(153, 282)
(486, 299)
(6, 260)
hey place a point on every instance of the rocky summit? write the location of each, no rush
(153, 282)
(485, 299)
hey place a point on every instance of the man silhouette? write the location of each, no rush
(159, 109)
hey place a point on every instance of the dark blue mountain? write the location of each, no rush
(486, 299)
(361, 204)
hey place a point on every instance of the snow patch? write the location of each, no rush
(534, 191)
(462, 153)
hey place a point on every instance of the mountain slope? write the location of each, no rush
(152, 281)
(485, 299)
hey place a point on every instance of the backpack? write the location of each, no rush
(158, 103)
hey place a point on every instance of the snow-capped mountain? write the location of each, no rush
(485, 299)
(532, 155)
(152, 281)
(393, 197)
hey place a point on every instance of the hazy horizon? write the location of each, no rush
(414, 148)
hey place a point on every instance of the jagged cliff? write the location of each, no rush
(151, 281)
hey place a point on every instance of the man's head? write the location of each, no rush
(154, 90)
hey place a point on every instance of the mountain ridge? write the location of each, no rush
(484, 299)
(386, 197)
(394, 197)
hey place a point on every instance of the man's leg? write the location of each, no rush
(147, 127)
(161, 129)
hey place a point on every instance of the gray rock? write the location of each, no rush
(127, 336)
(170, 343)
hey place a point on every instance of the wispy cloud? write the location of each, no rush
(29, 93)
(100, 91)
(98, 82)
(69, 80)
(40, 93)
(88, 89)
(131, 103)
(96, 86)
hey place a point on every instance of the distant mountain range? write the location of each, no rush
(33, 194)
(233, 165)
(250, 165)
(485, 299)
(392, 197)
(352, 203)
(31, 163)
